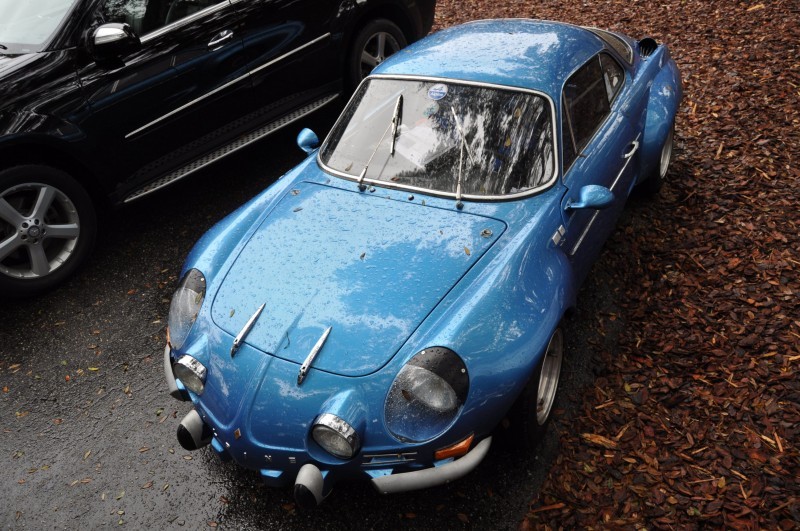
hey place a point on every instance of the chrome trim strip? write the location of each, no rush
(387, 460)
(292, 52)
(430, 477)
(183, 21)
(628, 159)
(248, 325)
(223, 87)
(187, 105)
(311, 355)
(437, 193)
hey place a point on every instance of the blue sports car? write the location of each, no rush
(378, 311)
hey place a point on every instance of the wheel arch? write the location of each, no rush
(412, 29)
(18, 153)
(665, 97)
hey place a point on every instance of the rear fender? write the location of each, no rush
(29, 138)
(665, 96)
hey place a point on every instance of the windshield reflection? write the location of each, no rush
(26, 25)
(452, 138)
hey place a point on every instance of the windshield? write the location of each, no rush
(25, 26)
(452, 138)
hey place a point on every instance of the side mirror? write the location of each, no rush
(113, 40)
(592, 196)
(307, 140)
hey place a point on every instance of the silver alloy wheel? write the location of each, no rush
(666, 154)
(39, 230)
(548, 379)
(377, 48)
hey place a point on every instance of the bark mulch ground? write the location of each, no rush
(693, 419)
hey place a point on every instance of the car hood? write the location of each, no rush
(369, 267)
(11, 63)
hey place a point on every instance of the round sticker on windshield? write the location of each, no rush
(437, 92)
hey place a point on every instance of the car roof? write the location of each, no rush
(531, 54)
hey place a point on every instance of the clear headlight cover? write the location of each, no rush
(186, 303)
(427, 395)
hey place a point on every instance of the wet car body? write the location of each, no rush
(121, 99)
(314, 299)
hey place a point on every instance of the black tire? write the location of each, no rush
(41, 245)
(653, 184)
(375, 42)
(531, 413)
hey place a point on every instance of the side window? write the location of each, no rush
(613, 75)
(586, 102)
(146, 16)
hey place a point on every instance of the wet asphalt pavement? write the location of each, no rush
(87, 429)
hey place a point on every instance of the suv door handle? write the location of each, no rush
(220, 39)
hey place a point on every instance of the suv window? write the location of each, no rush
(586, 102)
(146, 16)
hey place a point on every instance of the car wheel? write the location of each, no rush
(530, 415)
(653, 184)
(47, 228)
(374, 43)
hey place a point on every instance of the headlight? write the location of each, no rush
(336, 436)
(192, 373)
(185, 305)
(427, 395)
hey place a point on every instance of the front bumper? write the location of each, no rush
(437, 475)
(387, 480)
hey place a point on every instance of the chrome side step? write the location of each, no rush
(226, 150)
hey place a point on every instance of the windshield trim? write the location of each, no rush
(464, 197)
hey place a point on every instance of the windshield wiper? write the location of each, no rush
(2, 47)
(398, 112)
(462, 147)
(394, 126)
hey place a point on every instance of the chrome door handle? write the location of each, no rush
(220, 39)
(634, 147)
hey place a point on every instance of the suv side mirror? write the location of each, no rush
(112, 41)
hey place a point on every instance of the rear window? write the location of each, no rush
(450, 138)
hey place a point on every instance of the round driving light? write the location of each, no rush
(335, 436)
(191, 373)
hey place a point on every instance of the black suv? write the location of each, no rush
(105, 101)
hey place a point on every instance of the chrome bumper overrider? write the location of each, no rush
(176, 390)
(431, 477)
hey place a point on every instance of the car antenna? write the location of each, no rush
(394, 125)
